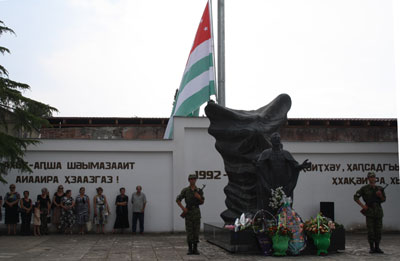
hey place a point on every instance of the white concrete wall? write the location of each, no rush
(162, 167)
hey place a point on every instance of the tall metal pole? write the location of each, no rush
(221, 52)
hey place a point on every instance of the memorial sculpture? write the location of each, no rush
(276, 168)
(253, 157)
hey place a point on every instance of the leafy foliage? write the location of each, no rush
(320, 224)
(18, 115)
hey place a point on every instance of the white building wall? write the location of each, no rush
(162, 167)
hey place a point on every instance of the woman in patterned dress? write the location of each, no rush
(82, 206)
(11, 200)
(67, 220)
(121, 202)
(101, 210)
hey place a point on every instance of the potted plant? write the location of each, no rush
(280, 236)
(319, 229)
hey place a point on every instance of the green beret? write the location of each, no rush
(192, 176)
(371, 174)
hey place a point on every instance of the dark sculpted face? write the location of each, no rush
(275, 139)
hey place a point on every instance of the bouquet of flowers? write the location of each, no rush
(262, 220)
(319, 224)
(242, 223)
(279, 230)
(278, 198)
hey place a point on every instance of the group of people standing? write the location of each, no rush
(64, 211)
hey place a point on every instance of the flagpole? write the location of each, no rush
(221, 53)
(213, 45)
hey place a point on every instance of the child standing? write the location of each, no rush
(36, 219)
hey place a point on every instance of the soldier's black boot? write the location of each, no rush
(195, 251)
(190, 249)
(377, 249)
(371, 248)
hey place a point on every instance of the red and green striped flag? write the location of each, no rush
(198, 82)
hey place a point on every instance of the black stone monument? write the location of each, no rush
(255, 163)
(253, 156)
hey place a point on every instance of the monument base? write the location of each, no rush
(246, 242)
(235, 242)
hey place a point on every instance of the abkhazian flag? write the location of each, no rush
(198, 82)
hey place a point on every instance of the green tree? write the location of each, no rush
(19, 115)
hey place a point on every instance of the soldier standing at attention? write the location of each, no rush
(373, 196)
(193, 197)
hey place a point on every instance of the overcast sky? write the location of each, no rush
(125, 58)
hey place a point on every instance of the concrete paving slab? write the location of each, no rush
(162, 247)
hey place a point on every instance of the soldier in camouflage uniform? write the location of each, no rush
(373, 196)
(193, 197)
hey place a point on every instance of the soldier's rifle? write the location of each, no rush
(183, 214)
(364, 211)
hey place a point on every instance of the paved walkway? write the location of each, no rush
(161, 247)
